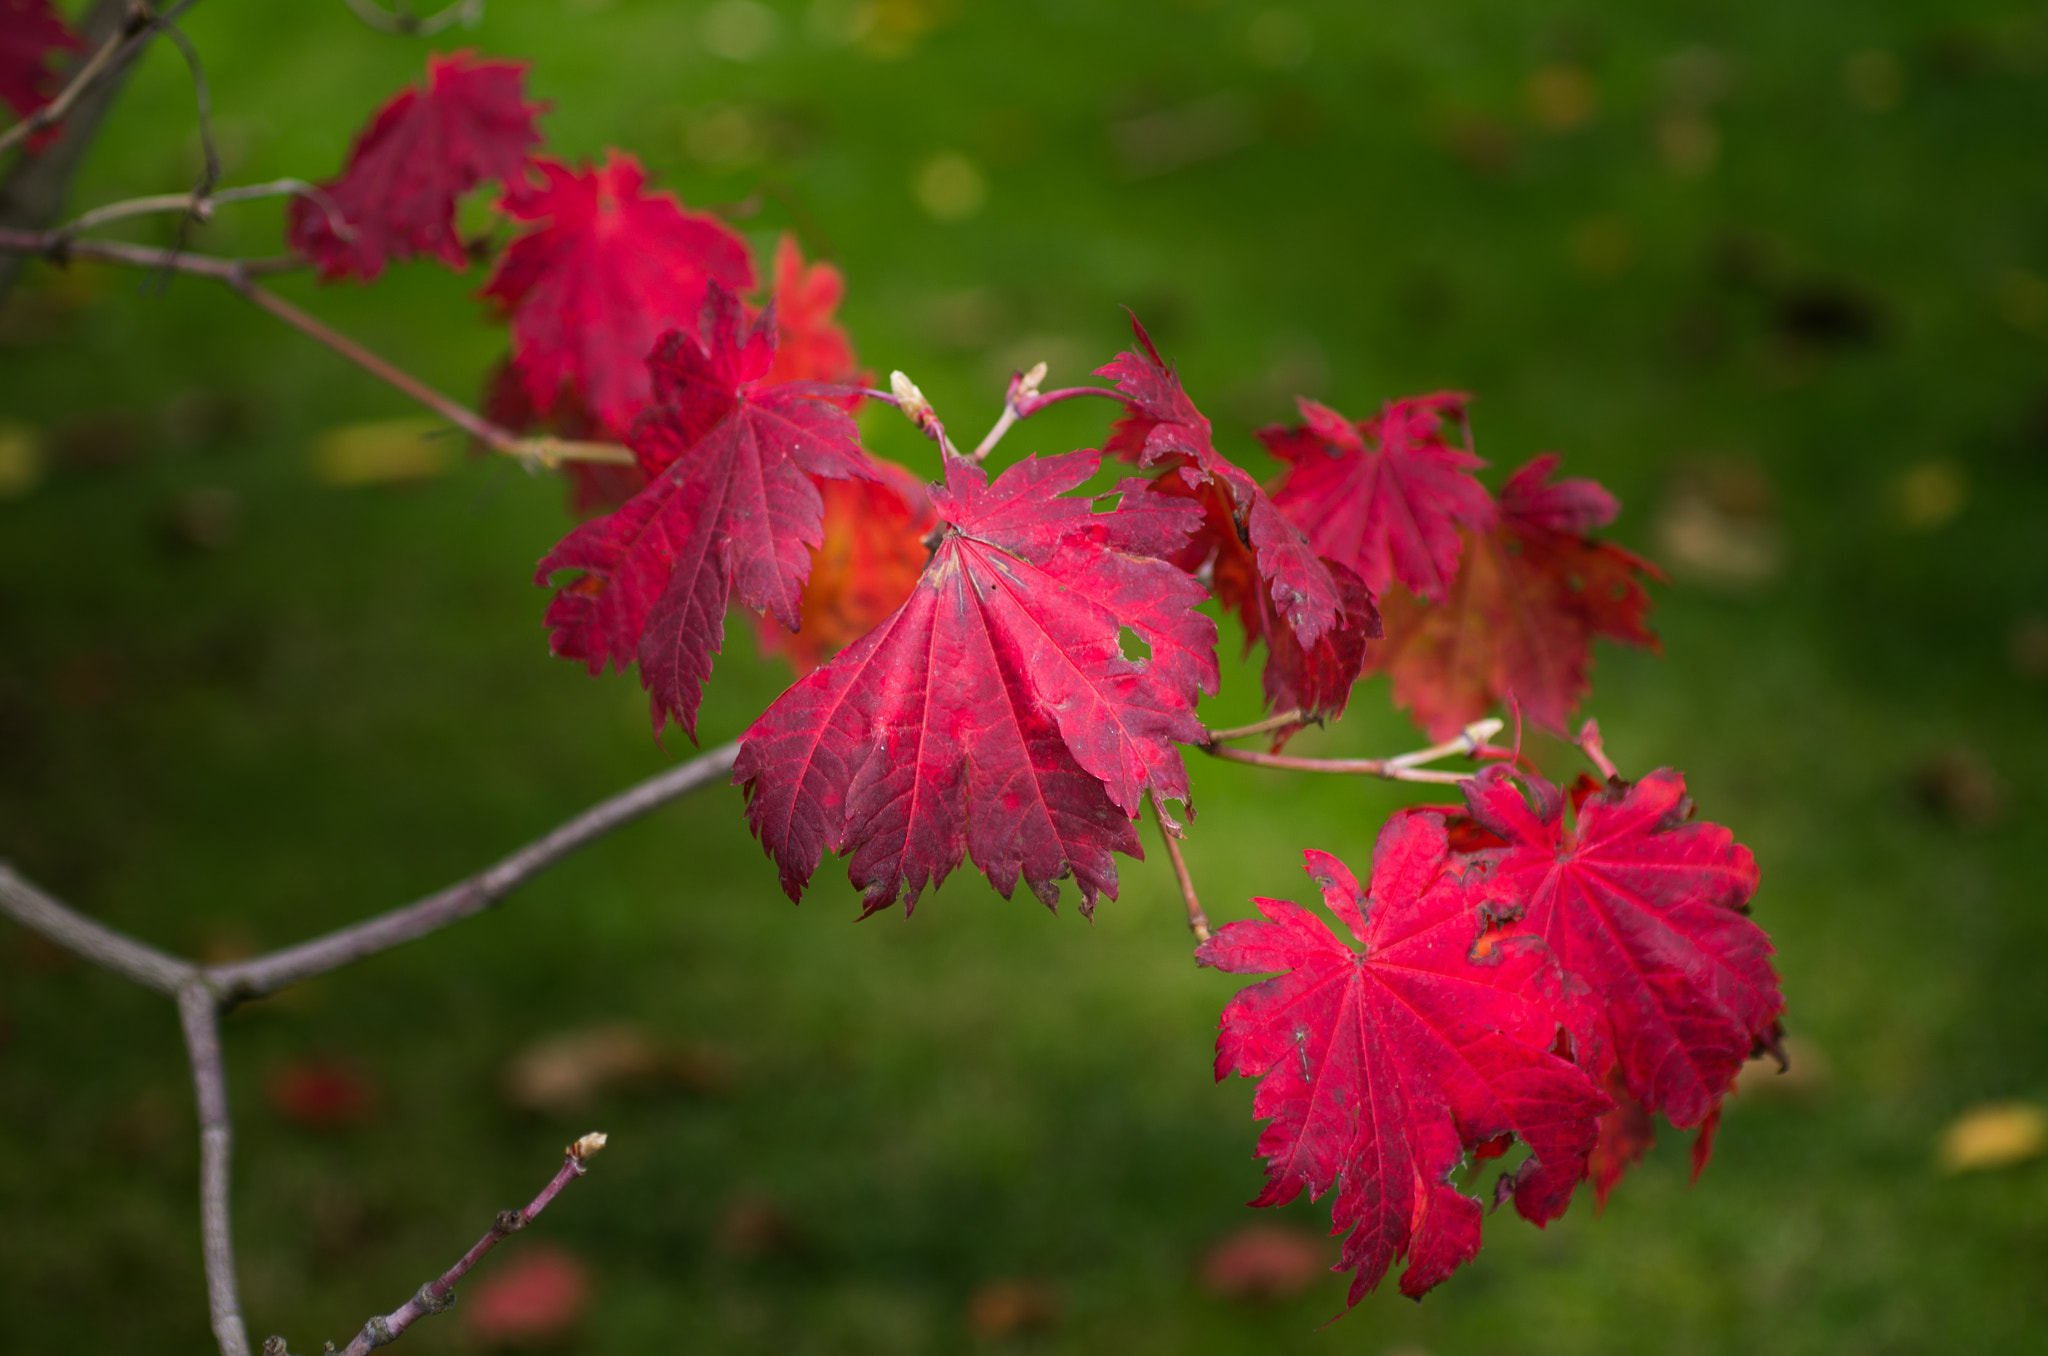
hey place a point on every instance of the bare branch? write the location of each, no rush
(96, 942)
(437, 1295)
(200, 1014)
(266, 974)
(238, 274)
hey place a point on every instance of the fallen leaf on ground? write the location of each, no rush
(753, 1228)
(1265, 1262)
(383, 451)
(1005, 1308)
(1994, 1135)
(563, 1074)
(535, 1300)
(1717, 526)
(322, 1094)
(1958, 785)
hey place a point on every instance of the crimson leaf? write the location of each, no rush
(994, 715)
(1380, 1069)
(1648, 913)
(609, 272)
(31, 32)
(729, 506)
(1385, 495)
(420, 153)
(1288, 587)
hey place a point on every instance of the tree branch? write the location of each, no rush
(260, 975)
(200, 1013)
(468, 13)
(436, 1296)
(238, 275)
(104, 947)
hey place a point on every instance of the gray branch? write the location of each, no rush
(200, 1012)
(98, 943)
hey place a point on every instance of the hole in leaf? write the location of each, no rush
(1133, 645)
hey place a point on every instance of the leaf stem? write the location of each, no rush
(437, 1295)
(1198, 922)
(1406, 767)
(1286, 720)
(238, 276)
(1590, 743)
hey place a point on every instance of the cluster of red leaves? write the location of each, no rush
(31, 33)
(1540, 969)
(1499, 989)
(604, 269)
(1480, 601)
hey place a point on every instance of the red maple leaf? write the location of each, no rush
(730, 506)
(1647, 912)
(994, 715)
(1385, 495)
(1312, 617)
(31, 32)
(611, 271)
(1380, 1069)
(419, 155)
(868, 563)
(1521, 616)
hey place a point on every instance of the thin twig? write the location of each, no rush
(1198, 922)
(468, 13)
(201, 208)
(1286, 720)
(260, 975)
(1407, 767)
(200, 1014)
(238, 274)
(436, 1296)
(1039, 400)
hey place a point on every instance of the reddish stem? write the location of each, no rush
(1198, 922)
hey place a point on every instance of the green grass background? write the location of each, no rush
(351, 703)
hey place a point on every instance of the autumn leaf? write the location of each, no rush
(1386, 495)
(995, 715)
(1646, 912)
(1521, 616)
(536, 1299)
(1312, 617)
(610, 269)
(31, 32)
(419, 155)
(873, 552)
(1381, 1068)
(731, 506)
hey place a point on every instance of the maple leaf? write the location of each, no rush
(611, 270)
(1380, 1069)
(730, 506)
(1647, 912)
(418, 156)
(31, 32)
(994, 715)
(1385, 495)
(1313, 619)
(1521, 616)
(868, 563)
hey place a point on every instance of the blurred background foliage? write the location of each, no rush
(1777, 274)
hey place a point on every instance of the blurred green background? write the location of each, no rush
(1777, 274)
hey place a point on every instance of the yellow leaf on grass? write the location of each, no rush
(21, 459)
(1994, 1135)
(385, 451)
